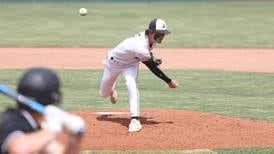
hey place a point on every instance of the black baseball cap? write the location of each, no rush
(158, 25)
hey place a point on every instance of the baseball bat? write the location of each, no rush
(34, 105)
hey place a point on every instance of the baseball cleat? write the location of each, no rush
(134, 126)
(113, 97)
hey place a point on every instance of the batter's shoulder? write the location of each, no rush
(9, 115)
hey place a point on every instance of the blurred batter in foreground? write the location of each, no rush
(23, 130)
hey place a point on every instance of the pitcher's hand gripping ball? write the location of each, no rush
(83, 11)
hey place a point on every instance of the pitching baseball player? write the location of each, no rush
(124, 59)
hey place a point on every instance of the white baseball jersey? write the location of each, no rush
(124, 59)
(132, 50)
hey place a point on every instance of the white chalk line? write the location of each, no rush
(111, 113)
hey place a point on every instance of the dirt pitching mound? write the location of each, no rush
(173, 129)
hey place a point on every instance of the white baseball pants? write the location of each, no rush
(129, 73)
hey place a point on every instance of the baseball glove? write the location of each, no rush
(157, 61)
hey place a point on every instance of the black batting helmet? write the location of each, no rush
(40, 84)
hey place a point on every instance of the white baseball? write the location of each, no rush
(83, 11)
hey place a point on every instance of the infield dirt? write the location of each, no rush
(162, 129)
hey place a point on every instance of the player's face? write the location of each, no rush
(158, 37)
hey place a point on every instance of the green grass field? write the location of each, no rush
(198, 24)
(234, 94)
(245, 95)
(223, 24)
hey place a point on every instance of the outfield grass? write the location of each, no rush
(235, 94)
(224, 24)
(245, 95)
(247, 151)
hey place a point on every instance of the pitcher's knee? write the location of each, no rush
(130, 83)
(103, 94)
